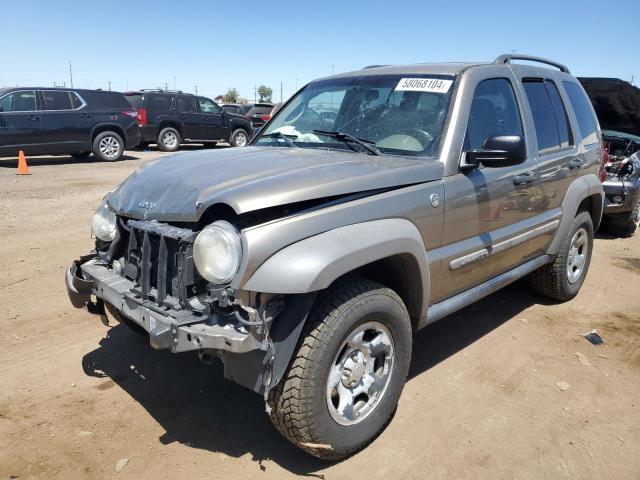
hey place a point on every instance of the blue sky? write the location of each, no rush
(216, 45)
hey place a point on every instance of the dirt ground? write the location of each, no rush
(482, 399)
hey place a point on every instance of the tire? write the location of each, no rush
(554, 280)
(108, 146)
(625, 224)
(168, 139)
(81, 155)
(239, 138)
(305, 406)
(133, 326)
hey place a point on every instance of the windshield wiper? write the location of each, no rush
(366, 144)
(286, 138)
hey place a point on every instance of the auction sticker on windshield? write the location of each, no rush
(433, 85)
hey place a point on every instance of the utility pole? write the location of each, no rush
(331, 69)
(280, 92)
(196, 90)
(255, 93)
(166, 88)
(70, 74)
(127, 80)
(174, 83)
(109, 85)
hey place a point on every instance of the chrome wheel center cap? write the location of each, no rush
(353, 368)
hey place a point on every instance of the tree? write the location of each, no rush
(265, 93)
(231, 96)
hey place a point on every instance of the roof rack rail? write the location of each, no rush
(160, 90)
(507, 57)
(374, 66)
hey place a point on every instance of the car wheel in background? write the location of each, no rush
(168, 140)
(239, 138)
(108, 146)
(623, 224)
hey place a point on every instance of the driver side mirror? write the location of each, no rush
(499, 151)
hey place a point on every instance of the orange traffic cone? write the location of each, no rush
(23, 169)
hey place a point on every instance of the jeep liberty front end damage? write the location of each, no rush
(372, 204)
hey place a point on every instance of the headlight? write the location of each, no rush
(103, 225)
(217, 252)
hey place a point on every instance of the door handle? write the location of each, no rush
(576, 163)
(524, 178)
(85, 115)
(33, 118)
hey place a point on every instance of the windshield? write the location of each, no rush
(396, 114)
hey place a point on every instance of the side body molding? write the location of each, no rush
(581, 188)
(314, 263)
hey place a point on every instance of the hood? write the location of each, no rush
(181, 187)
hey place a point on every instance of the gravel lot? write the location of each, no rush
(482, 400)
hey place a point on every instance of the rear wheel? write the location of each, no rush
(168, 139)
(562, 279)
(239, 138)
(346, 377)
(108, 146)
(624, 224)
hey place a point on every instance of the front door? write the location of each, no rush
(488, 211)
(213, 120)
(20, 124)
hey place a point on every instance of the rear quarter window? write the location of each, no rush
(582, 108)
(159, 102)
(107, 100)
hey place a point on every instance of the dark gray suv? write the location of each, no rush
(305, 261)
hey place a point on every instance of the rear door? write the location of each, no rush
(66, 121)
(192, 121)
(489, 211)
(21, 124)
(214, 127)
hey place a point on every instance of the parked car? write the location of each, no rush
(259, 114)
(305, 262)
(617, 105)
(66, 121)
(622, 183)
(237, 108)
(170, 119)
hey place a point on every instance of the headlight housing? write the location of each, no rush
(217, 252)
(103, 225)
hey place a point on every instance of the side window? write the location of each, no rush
(562, 120)
(494, 111)
(160, 102)
(186, 104)
(56, 100)
(586, 118)
(24, 101)
(549, 114)
(76, 102)
(208, 106)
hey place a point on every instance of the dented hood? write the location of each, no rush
(181, 187)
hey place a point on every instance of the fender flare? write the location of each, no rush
(581, 188)
(314, 263)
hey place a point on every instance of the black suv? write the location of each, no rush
(59, 121)
(171, 118)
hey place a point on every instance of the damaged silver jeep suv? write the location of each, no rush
(373, 204)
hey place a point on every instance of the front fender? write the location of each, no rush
(314, 263)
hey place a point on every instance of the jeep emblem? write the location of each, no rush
(435, 200)
(146, 205)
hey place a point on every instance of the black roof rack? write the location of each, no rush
(160, 90)
(507, 57)
(374, 66)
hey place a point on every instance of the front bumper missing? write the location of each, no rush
(179, 330)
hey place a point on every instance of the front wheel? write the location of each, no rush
(239, 138)
(624, 224)
(346, 377)
(108, 146)
(562, 279)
